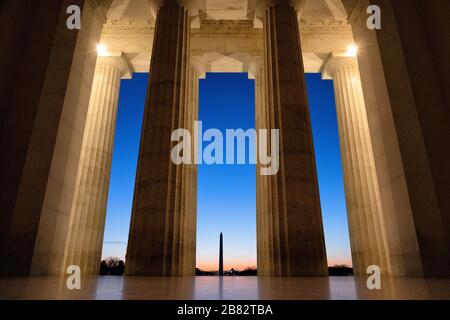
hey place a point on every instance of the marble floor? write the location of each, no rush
(227, 288)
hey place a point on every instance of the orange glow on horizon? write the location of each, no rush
(226, 266)
(338, 262)
(240, 265)
(236, 264)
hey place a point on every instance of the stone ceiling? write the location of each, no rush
(226, 31)
(309, 10)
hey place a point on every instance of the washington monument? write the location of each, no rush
(221, 255)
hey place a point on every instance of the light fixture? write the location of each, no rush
(101, 50)
(352, 51)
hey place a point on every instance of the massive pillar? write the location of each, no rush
(407, 111)
(163, 218)
(87, 219)
(20, 99)
(365, 218)
(45, 122)
(297, 231)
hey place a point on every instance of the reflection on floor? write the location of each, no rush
(251, 288)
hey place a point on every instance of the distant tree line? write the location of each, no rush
(334, 271)
(116, 267)
(340, 270)
(249, 271)
(112, 267)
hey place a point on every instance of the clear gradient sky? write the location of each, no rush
(227, 193)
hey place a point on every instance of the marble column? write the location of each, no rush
(298, 239)
(87, 219)
(408, 117)
(45, 129)
(365, 217)
(160, 240)
(18, 112)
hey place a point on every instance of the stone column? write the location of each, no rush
(365, 218)
(46, 118)
(18, 112)
(408, 118)
(160, 242)
(87, 219)
(298, 240)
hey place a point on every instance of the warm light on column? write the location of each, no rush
(352, 51)
(102, 50)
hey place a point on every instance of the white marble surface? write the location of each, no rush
(226, 288)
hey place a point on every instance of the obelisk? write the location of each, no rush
(221, 255)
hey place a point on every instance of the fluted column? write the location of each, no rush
(298, 240)
(87, 221)
(364, 211)
(160, 242)
(186, 221)
(42, 133)
(264, 219)
(404, 84)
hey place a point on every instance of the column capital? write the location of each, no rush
(159, 3)
(156, 4)
(335, 62)
(262, 5)
(255, 66)
(119, 61)
(257, 61)
(199, 66)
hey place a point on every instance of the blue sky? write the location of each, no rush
(227, 193)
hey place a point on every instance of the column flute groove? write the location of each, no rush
(158, 242)
(297, 231)
(365, 215)
(88, 214)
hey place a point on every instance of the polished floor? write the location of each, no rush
(236, 288)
